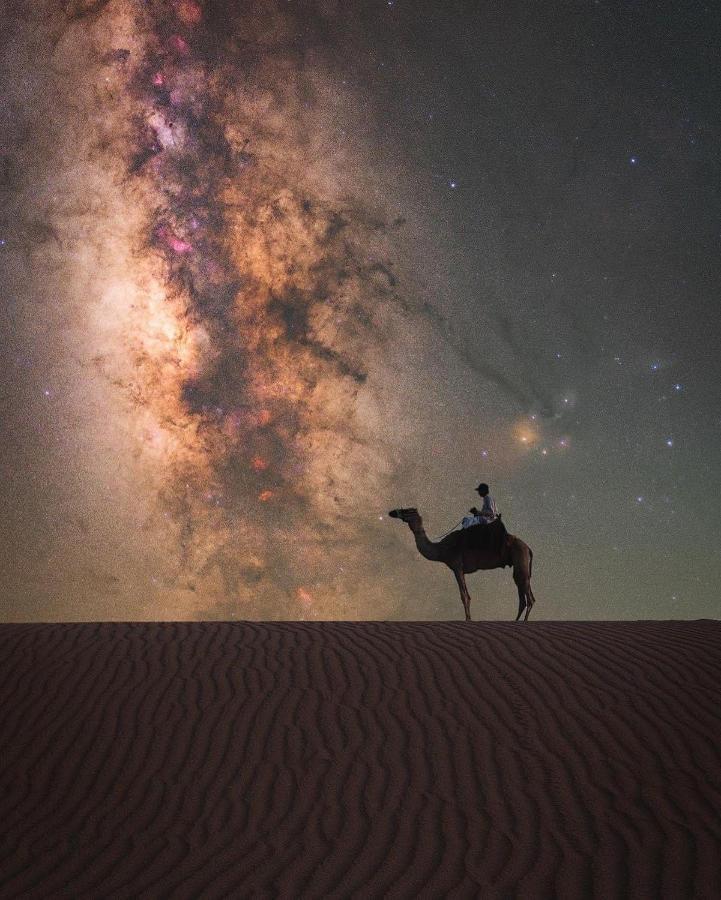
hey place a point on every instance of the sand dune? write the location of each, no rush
(361, 760)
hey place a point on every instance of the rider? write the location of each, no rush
(486, 514)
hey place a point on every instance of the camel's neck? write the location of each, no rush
(425, 546)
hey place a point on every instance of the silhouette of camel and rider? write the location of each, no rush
(482, 542)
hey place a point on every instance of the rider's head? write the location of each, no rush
(482, 489)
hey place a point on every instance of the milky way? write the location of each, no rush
(244, 326)
(275, 294)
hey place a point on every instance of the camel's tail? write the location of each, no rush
(530, 562)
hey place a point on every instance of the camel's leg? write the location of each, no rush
(523, 583)
(531, 601)
(465, 596)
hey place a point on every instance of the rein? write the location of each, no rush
(459, 522)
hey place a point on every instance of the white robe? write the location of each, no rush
(488, 514)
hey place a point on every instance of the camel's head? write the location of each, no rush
(410, 514)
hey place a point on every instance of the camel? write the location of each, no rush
(471, 549)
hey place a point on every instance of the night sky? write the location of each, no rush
(270, 269)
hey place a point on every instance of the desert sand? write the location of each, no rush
(346, 759)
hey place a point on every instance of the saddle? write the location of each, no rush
(487, 536)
